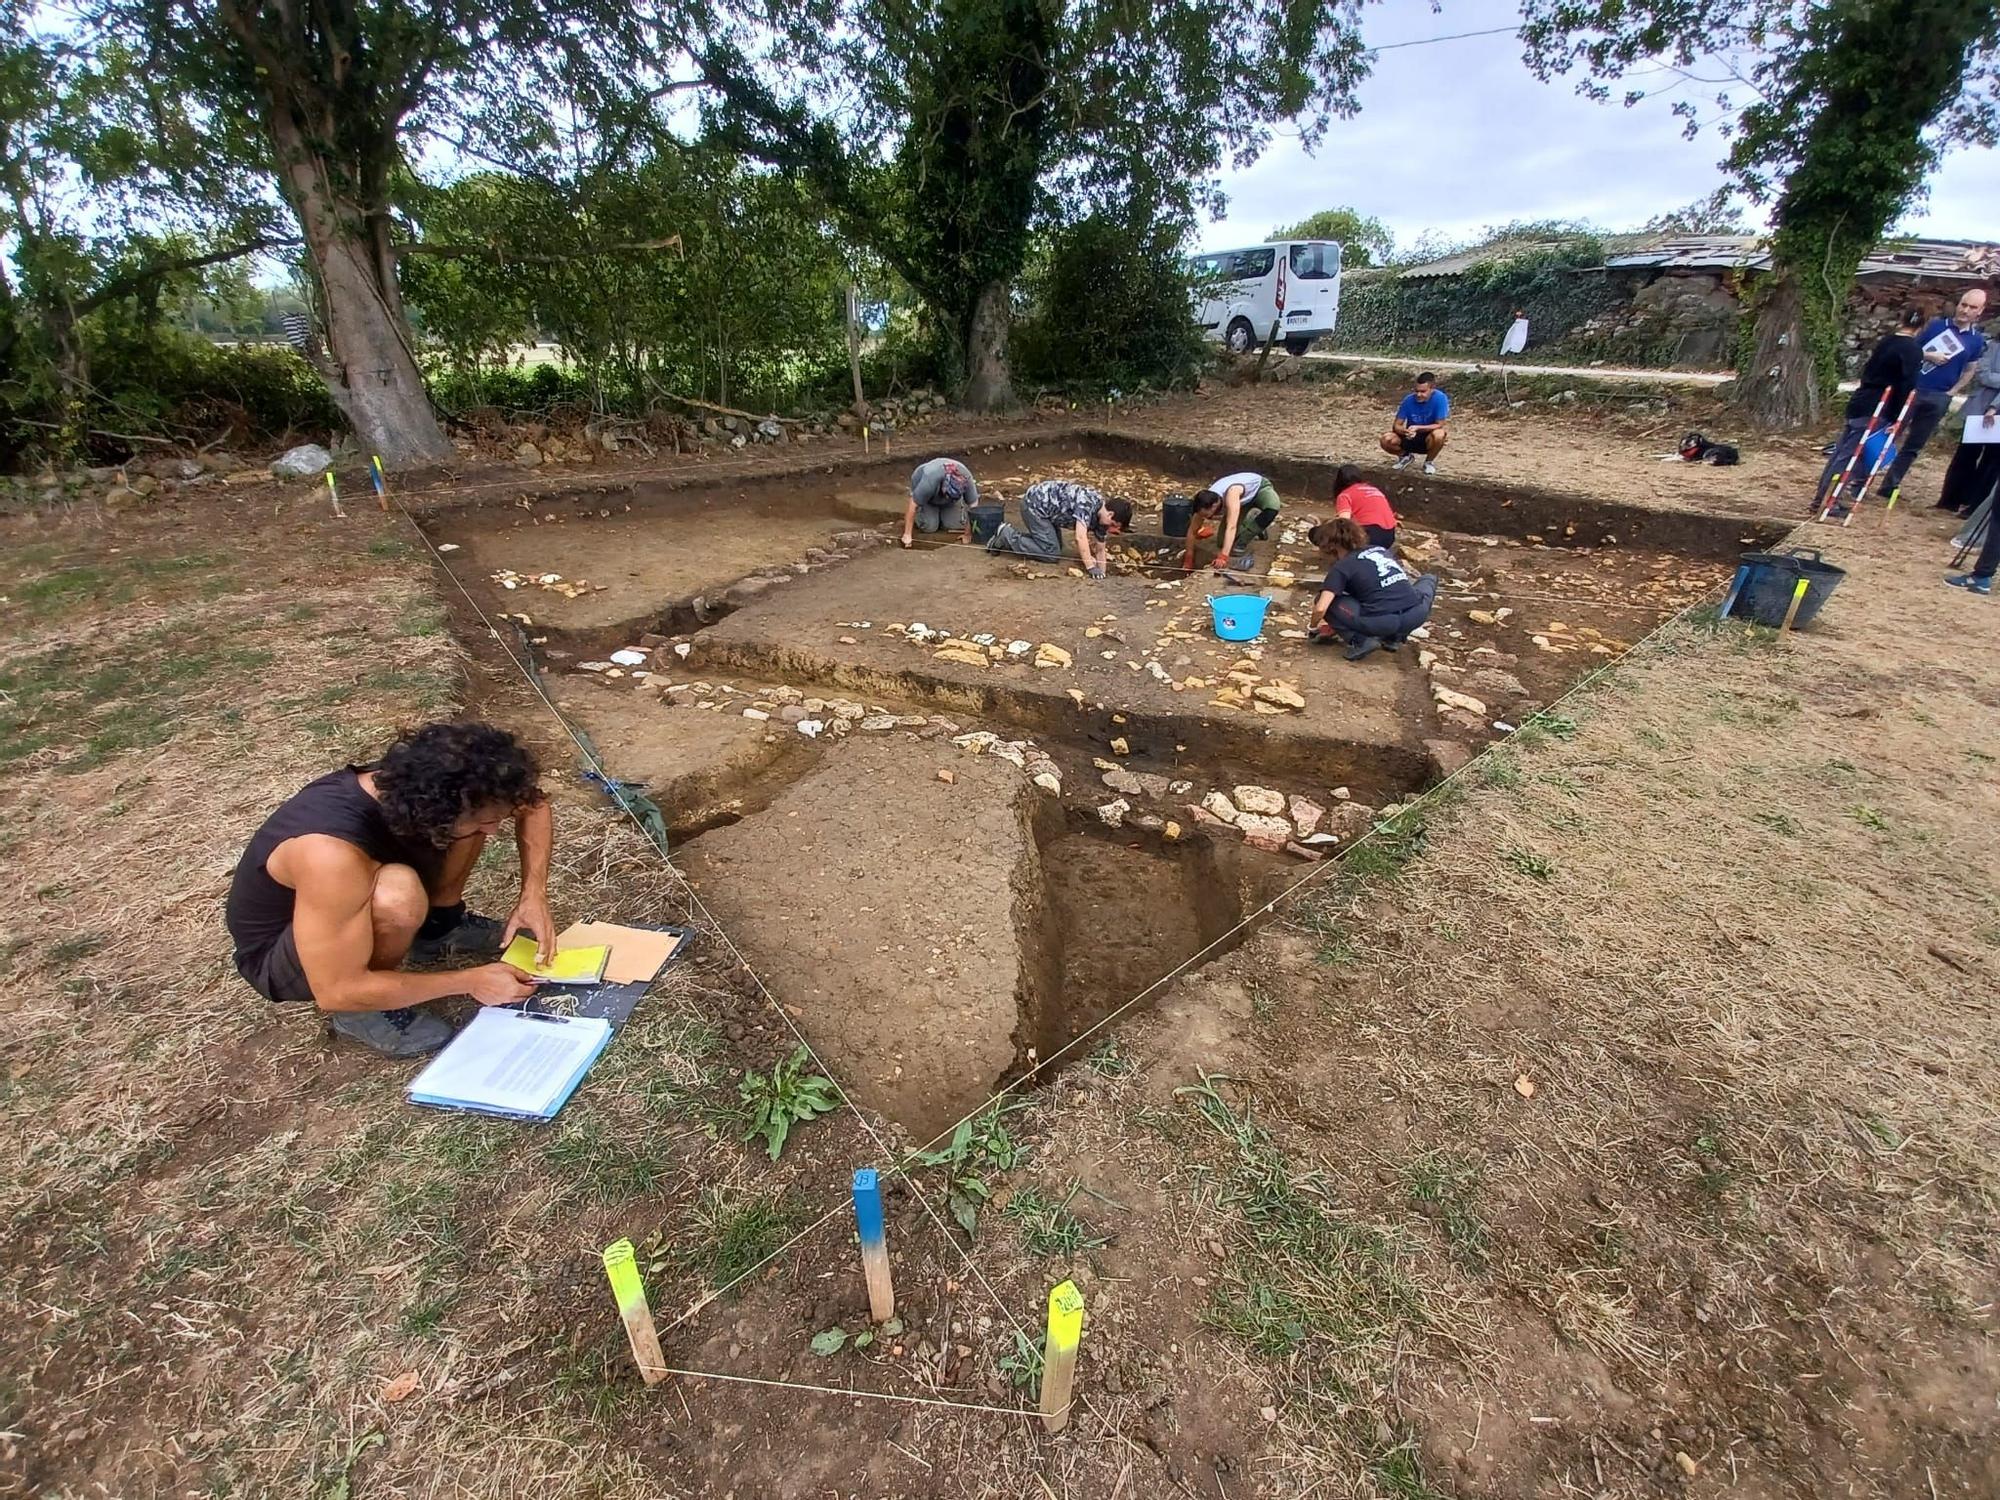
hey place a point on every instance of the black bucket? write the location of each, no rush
(1773, 579)
(986, 520)
(1174, 515)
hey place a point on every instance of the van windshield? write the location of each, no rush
(1315, 262)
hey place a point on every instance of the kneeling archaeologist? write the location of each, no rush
(366, 867)
(1369, 600)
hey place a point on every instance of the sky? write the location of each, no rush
(1459, 135)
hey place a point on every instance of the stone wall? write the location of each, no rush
(1671, 318)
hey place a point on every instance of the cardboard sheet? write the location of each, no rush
(637, 953)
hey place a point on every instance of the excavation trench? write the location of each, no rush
(935, 921)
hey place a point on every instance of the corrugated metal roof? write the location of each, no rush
(1949, 260)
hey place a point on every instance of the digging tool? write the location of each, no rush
(1820, 501)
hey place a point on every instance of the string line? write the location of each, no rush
(899, 1167)
(597, 765)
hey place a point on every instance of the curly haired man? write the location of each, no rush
(365, 868)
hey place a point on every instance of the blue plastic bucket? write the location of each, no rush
(1238, 617)
(1872, 454)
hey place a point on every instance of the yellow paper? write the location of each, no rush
(570, 965)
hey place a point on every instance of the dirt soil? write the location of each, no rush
(1618, 1120)
(899, 958)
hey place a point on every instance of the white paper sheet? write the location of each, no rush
(1944, 344)
(1516, 337)
(1979, 430)
(510, 1062)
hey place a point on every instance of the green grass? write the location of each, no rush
(1301, 1273)
(1048, 1228)
(1529, 863)
(732, 1233)
(118, 580)
(1777, 822)
(91, 709)
(1446, 1187)
(1868, 818)
(69, 950)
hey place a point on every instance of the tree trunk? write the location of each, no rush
(988, 384)
(371, 371)
(1778, 384)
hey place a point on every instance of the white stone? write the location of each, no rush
(755, 713)
(978, 742)
(1259, 799)
(1218, 806)
(1266, 833)
(1306, 814)
(876, 723)
(1049, 782)
(810, 728)
(302, 462)
(1112, 814)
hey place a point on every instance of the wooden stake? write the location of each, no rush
(874, 1245)
(1798, 598)
(630, 1293)
(1059, 1354)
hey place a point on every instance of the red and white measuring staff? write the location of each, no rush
(1821, 503)
(1881, 455)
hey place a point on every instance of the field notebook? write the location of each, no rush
(511, 1063)
(570, 965)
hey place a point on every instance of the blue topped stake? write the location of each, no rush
(874, 1245)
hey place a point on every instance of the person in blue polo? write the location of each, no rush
(1951, 347)
(1418, 431)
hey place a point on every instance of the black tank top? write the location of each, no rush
(260, 909)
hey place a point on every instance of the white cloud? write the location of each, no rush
(1460, 135)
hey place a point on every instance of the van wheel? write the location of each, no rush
(1297, 346)
(1240, 338)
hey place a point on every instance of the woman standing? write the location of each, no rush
(1368, 598)
(1975, 467)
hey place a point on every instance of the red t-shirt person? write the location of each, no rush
(1371, 512)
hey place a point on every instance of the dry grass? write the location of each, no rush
(1735, 917)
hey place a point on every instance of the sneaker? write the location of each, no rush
(1368, 645)
(1405, 461)
(410, 1032)
(1970, 582)
(472, 936)
(1838, 513)
(1429, 467)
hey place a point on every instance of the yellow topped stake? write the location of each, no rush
(1059, 1354)
(622, 1268)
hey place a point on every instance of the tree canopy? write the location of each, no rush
(1835, 112)
(1364, 241)
(940, 133)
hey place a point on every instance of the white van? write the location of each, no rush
(1239, 294)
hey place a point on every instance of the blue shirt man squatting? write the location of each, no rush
(1418, 430)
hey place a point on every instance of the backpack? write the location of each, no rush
(1697, 449)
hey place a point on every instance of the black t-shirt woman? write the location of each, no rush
(1368, 598)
